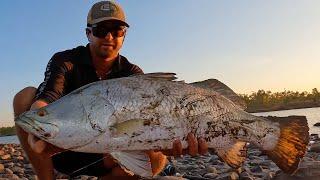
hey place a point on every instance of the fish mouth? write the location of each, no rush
(43, 130)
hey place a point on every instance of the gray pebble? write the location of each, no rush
(212, 169)
(256, 169)
(234, 176)
(210, 175)
(170, 178)
(9, 165)
(8, 171)
(13, 177)
(270, 175)
(213, 158)
(194, 177)
(17, 170)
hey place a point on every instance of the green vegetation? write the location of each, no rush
(7, 131)
(262, 101)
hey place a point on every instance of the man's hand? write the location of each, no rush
(36, 144)
(40, 146)
(195, 147)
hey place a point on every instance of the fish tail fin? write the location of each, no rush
(292, 143)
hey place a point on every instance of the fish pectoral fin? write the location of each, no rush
(134, 162)
(292, 143)
(234, 155)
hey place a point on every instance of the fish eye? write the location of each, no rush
(41, 113)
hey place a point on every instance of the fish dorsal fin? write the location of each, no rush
(234, 155)
(221, 88)
(168, 76)
(134, 162)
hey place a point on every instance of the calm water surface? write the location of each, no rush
(312, 114)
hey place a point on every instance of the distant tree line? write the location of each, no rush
(267, 101)
(7, 131)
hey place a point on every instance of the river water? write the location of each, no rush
(312, 114)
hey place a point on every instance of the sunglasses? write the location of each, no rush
(102, 32)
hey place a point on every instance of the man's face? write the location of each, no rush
(106, 38)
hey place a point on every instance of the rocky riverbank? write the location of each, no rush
(14, 165)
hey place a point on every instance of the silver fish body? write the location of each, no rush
(149, 111)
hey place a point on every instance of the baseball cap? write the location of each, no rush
(106, 10)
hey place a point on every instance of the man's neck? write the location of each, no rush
(103, 65)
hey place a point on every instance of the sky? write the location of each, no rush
(249, 45)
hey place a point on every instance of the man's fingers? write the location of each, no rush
(202, 146)
(177, 148)
(192, 145)
(195, 146)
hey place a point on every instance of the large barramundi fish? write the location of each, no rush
(126, 116)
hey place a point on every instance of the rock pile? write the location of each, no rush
(15, 165)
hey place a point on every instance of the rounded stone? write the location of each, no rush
(256, 169)
(5, 157)
(210, 175)
(213, 158)
(234, 176)
(28, 166)
(212, 169)
(14, 177)
(315, 147)
(11, 150)
(17, 170)
(21, 158)
(170, 178)
(1, 168)
(8, 171)
(270, 175)
(9, 164)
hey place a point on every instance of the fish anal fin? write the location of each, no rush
(292, 143)
(234, 155)
(134, 162)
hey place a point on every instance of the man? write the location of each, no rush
(71, 69)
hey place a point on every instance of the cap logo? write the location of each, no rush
(105, 7)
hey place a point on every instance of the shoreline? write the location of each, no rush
(278, 109)
(15, 165)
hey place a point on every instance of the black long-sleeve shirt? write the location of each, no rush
(71, 69)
